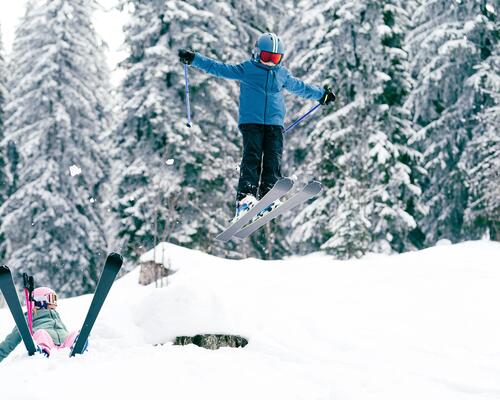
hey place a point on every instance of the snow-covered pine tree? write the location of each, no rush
(359, 45)
(56, 110)
(191, 199)
(350, 226)
(393, 164)
(4, 183)
(144, 134)
(450, 42)
(482, 167)
(481, 161)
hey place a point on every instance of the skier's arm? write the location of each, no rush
(217, 68)
(9, 344)
(302, 89)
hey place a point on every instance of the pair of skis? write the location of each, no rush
(111, 267)
(244, 226)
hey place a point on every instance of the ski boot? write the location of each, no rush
(85, 346)
(43, 350)
(243, 206)
(268, 209)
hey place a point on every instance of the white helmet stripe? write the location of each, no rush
(275, 42)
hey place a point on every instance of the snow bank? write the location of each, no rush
(420, 325)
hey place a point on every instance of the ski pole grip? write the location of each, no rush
(31, 286)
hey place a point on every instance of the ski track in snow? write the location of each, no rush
(420, 325)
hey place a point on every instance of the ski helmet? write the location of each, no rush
(43, 297)
(270, 46)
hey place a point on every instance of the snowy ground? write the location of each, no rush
(422, 325)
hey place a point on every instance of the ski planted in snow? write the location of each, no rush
(282, 187)
(108, 275)
(307, 192)
(9, 293)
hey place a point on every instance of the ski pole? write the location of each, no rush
(188, 108)
(28, 309)
(29, 285)
(302, 118)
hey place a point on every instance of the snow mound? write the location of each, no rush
(420, 325)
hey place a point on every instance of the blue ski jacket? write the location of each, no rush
(261, 88)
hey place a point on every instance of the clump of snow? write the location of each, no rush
(74, 170)
(384, 30)
(490, 8)
(420, 325)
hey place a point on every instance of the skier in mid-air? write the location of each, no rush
(261, 114)
(49, 332)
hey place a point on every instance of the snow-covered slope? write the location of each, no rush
(421, 325)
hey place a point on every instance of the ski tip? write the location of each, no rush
(4, 269)
(313, 188)
(317, 185)
(115, 259)
(284, 183)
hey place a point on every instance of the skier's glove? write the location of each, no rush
(328, 97)
(186, 56)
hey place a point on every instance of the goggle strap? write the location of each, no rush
(50, 298)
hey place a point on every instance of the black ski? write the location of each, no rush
(307, 192)
(10, 295)
(108, 275)
(281, 188)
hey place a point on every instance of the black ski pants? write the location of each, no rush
(261, 164)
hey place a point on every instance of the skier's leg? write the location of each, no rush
(71, 340)
(68, 342)
(271, 164)
(42, 338)
(250, 168)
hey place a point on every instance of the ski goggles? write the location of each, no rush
(267, 56)
(44, 301)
